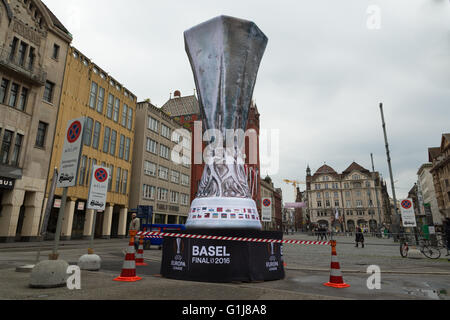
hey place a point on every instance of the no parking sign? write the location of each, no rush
(266, 211)
(70, 157)
(407, 212)
(98, 189)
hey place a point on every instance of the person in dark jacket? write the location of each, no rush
(359, 237)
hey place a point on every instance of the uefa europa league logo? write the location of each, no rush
(225, 54)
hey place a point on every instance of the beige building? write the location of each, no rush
(34, 46)
(440, 158)
(159, 179)
(109, 109)
(426, 189)
(356, 194)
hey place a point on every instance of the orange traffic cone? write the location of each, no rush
(129, 265)
(140, 253)
(336, 279)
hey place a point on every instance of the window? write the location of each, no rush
(165, 131)
(317, 186)
(16, 150)
(109, 108)
(118, 176)
(359, 203)
(88, 171)
(93, 95)
(175, 177)
(13, 47)
(327, 195)
(82, 170)
(150, 168)
(148, 192)
(164, 151)
(125, 182)
(96, 138)
(358, 193)
(41, 133)
(112, 149)
(127, 149)
(110, 180)
(101, 100)
(116, 110)
(121, 146)
(151, 145)
(55, 54)
(318, 195)
(163, 173)
(23, 99)
(327, 203)
(153, 124)
(174, 197)
(347, 194)
(184, 180)
(13, 95)
(368, 184)
(124, 115)
(326, 185)
(348, 203)
(336, 195)
(6, 146)
(22, 52)
(346, 185)
(319, 204)
(48, 91)
(130, 118)
(106, 139)
(356, 177)
(336, 203)
(184, 199)
(162, 194)
(3, 90)
(31, 58)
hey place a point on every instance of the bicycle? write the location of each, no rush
(429, 251)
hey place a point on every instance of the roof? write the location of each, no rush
(433, 153)
(182, 106)
(355, 167)
(55, 20)
(325, 169)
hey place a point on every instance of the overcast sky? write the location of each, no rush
(327, 66)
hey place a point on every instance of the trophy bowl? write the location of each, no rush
(225, 54)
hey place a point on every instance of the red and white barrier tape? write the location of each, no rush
(194, 236)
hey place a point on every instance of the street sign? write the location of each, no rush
(98, 189)
(407, 212)
(266, 211)
(73, 143)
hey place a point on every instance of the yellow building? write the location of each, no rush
(109, 109)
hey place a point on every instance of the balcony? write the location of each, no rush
(21, 69)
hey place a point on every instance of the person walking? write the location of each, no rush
(359, 237)
(135, 225)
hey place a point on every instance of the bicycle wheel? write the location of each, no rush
(431, 252)
(404, 250)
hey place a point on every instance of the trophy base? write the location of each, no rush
(223, 213)
(218, 261)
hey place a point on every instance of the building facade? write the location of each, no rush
(34, 46)
(109, 109)
(352, 195)
(159, 180)
(426, 189)
(440, 159)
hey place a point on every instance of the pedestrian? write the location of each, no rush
(447, 234)
(359, 237)
(135, 225)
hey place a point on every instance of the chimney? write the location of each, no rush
(177, 94)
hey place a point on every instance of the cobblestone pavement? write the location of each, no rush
(308, 267)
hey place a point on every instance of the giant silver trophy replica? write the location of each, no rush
(225, 54)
